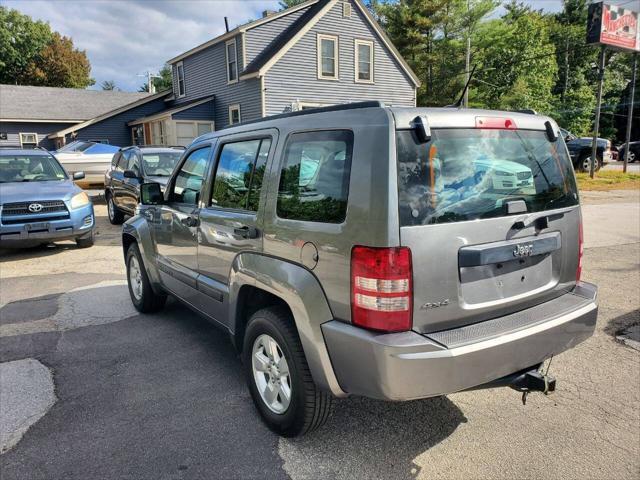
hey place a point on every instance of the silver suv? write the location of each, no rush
(395, 253)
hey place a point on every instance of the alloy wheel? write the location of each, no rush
(135, 278)
(271, 374)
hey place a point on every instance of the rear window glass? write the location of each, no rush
(466, 174)
(314, 183)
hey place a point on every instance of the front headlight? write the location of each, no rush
(502, 173)
(80, 200)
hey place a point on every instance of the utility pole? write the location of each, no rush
(631, 99)
(150, 76)
(596, 127)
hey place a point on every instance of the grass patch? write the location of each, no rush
(609, 180)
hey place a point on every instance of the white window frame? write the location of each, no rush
(336, 58)
(27, 133)
(356, 54)
(233, 108)
(180, 66)
(226, 54)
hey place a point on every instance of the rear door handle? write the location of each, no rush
(246, 232)
(189, 222)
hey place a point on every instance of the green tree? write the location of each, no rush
(34, 55)
(284, 4)
(108, 85)
(60, 65)
(21, 42)
(161, 83)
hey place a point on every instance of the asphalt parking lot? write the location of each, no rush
(122, 395)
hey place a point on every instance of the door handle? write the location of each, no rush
(246, 232)
(189, 222)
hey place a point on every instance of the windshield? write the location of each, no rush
(466, 174)
(160, 164)
(76, 146)
(30, 168)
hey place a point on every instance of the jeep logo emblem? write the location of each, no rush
(523, 250)
(35, 208)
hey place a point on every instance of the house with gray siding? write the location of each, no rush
(319, 53)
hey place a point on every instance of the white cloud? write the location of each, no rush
(124, 39)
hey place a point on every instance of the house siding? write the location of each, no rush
(115, 128)
(204, 111)
(205, 74)
(294, 77)
(260, 37)
(13, 130)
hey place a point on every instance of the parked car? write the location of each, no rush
(92, 158)
(354, 250)
(39, 203)
(634, 151)
(580, 151)
(131, 167)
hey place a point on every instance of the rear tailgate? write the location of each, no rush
(492, 219)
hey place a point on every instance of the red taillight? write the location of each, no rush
(580, 251)
(496, 123)
(381, 288)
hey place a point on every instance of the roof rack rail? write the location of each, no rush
(12, 147)
(182, 147)
(310, 111)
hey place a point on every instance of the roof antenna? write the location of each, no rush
(226, 24)
(458, 104)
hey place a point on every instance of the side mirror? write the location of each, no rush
(130, 174)
(78, 175)
(150, 194)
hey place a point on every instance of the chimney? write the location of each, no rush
(267, 13)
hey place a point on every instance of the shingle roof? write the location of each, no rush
(281, 40)
(63, 104)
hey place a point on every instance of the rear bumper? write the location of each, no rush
(408, 365)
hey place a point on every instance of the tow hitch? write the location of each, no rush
(533, 381)
(529, 380)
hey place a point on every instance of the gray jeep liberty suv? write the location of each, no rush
(395, 253)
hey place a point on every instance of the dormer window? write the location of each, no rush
(232, 61)
(180, 75)
(327, 57)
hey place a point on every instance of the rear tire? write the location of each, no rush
(116, 217)
(142, 295)
(308, 407)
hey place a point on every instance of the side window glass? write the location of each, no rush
(133, 163)
(314, 182)
(186, 188)
(237, 178)
(122, 162)
(258, 175)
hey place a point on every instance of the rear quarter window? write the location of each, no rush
(314, 180)
(468, 174)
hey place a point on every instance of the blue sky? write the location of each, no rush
(126, 38)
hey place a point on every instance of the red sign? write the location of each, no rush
(613, 25)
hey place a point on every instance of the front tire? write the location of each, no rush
(116, 217)
(142, 295)
(86, 242)
(278, 375)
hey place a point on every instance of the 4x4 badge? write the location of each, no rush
(523, 250)
(427, 305)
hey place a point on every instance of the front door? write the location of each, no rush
(230, 222)
(177, 228)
